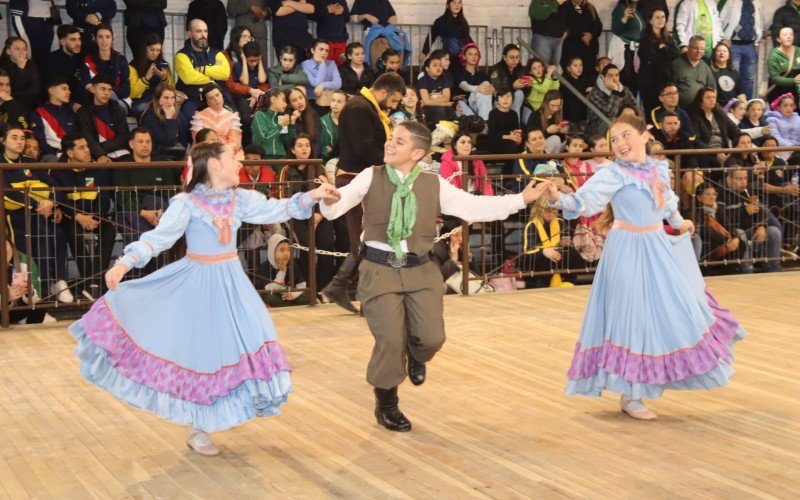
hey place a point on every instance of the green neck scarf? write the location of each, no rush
(404, 209)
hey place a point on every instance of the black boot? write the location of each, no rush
(336, 291)
(387, 412)
(416, 370)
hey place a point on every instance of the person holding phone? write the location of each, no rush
(147, 70)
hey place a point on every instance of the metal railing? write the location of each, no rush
(72, 250)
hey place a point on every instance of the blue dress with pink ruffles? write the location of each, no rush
(192, 342)
(650, 323)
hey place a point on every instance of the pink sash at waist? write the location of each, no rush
(212, 259)
(627, 226)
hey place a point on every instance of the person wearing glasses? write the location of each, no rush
(691, 73)
(668, 97)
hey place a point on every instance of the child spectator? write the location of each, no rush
(434, 89)
(504, 134)
(257, 174)
(287, 73)
(473, 88)
(410, 108)
(550, 120)
(273, 130)
(330, 126)
(355, 74)
(542, 81)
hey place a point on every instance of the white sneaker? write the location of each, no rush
(636, 409)
(49, 319)
(61, 290)
(201, 443)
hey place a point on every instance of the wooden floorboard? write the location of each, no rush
(492, 420)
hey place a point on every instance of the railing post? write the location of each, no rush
(312, 246)
(4, 313)
(464, 240)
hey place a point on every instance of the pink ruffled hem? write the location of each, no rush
(703, 357)
(164, 376)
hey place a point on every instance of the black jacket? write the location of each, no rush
(702, 127)
(784, 17)
(351, 83)
(118, 122)
(213, 13)
(361, 135)
(139, 12)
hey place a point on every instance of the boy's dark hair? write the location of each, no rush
(69, 140)
(66, 30)
(251, 49)
(472, 124)
(389, 53)
(420, 135)
(501, 91)
(140, 130)
(56, 81)
(255, 149)
(102, 78)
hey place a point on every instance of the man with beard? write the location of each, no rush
(364, 127)
(197, 65)
(66, 62)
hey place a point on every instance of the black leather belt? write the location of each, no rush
(389, 259)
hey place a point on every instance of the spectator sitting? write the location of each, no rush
(779, 192)
(389, 62)
(508, 73)
(783, 66)
(753, 121)
(434, 89)
(224, 122)
(690, 73)
(293, 179)
(720, 239)
(102, 58)
(290, 24)
(534, 144)
(451, 170)
(252, 79)
(197, 65)
(727, 80)
(668, 97)
(446, 253)
(147, 70)
(257, 174)
(18, 283)
(273, 130)
(211, 12)
(86, 213)
(104, 125)
(597, 144)
(542, 81)
(54, 119)
(355, 74)
(330, 126)
(714, 128)
(550, 120)
(279, 253)
(306, 120)
(331, 17)
(24, 73)
(574, 109)
(323, 76)
(10, 109)
(544, 247)
(31, 151)
(577, 169)
(786, 16)
(743, 141)
(504, 132)
(410, 108)
(669, 135)
(750, 220)
(168, 128)
(783, 121)
(66, 61)
(609, 97)
(473, 85)
(287, 73)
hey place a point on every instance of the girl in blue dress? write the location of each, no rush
(650, 324)
(193, 342)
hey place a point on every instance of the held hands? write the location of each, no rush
(115, 274)
(532, 191)
(326, 192)
(553, 192)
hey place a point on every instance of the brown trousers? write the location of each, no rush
(405, 312)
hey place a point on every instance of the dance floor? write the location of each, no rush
(491, 420)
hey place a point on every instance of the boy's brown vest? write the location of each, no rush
(378, 208)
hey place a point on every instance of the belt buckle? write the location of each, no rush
(395, 262)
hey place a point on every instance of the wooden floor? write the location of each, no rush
(491, 421)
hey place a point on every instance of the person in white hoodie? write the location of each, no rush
(743, 24)
(279, 254)
(697, 17)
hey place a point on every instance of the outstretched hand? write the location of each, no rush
(327, 192)
(115, 274)
(533, 191)
(553, 193)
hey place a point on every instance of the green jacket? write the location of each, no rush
(285, 81)
(777, 65)
(540, 10)
(267, 133)
(330, 137)
(538, 90)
